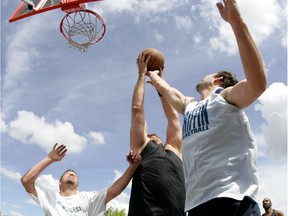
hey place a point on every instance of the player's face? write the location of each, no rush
(266, 203)
(155, 138)
(70, 177)
(205, 82)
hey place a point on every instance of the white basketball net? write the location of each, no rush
(80, 28)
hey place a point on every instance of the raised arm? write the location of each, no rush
(247, 91)
(171, 95)
(138, 130)
(28, 180)
(173, 131)
(121, 183)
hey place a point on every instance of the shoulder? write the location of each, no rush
(169, 147)
(189, 103)
(93, 193)
(224, 94)
(189, 99)
(278, 212)
(94, 196)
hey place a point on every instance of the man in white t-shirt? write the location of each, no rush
(69, 201)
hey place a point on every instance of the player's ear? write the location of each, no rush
(217, 80)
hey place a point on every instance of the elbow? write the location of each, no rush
(261, 87)
(257, 92)
(25, 182)
(111, 194)
(115, 193)
(136, 109)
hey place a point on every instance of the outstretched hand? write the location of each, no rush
(229, 11)
(158, 72)
(58, 153)
(133, 159)
(142, 63)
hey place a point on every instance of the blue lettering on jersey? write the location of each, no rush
(196, 120)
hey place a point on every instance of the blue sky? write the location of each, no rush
(51, 93)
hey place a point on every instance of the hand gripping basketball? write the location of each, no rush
(156, 61)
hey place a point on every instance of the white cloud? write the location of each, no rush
(31, 129)
(273, 106)
(13, 213)
(31, 202)
(183, 22)
(22, 50)
(119, 6)
(49, 182)
(283, 15)
(142, 6)
(22, 55)
(261, 27)
(272, 142)
(284, 40)
(197, 39)
(158, 37)
(139, 8)
(120, 202)
(3, 125)
(15, 176)
(96, 137)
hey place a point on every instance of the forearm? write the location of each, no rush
(175, 98)
(30, 177)
(173, 131)
(138, 129)
(169, 112)
(138, 93)
(121, 183)
(250, 56)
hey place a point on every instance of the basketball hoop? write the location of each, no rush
(82, 28)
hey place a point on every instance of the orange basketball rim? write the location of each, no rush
(79, 34)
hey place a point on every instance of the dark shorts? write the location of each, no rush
(227, 207)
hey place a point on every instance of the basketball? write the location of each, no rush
(156, 60)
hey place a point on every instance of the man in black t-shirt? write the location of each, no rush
(158, 183)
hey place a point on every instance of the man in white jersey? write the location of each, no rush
(218, 147)
(69, 201)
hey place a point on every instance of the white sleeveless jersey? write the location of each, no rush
(219, 152)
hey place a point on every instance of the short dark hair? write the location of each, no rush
(229, 79)
(68, 170)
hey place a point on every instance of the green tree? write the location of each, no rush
(114, 212)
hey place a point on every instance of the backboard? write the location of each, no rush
(32, 7)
